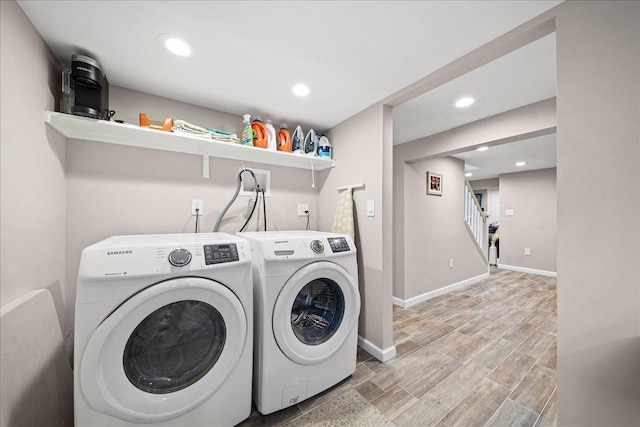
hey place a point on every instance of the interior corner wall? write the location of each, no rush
(532, 197)
(361, 146)
(32, 212)
(598, 48)
(435, 230)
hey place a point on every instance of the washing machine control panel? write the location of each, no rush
(218, 254)
(179, 257)
(339, 244)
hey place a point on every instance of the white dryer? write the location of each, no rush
(307, 303)
(163, 331)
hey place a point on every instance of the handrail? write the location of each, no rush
(475, 218)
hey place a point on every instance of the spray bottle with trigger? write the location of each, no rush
(247, 132)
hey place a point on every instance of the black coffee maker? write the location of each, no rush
(85, 89)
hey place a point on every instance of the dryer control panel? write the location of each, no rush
(217, 254)
(338, 244)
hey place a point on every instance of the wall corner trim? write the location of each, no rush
(380, 354)
(529, 270)
(432, 294)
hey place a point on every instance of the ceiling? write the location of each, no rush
(248, 54)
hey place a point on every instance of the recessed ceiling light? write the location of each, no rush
(521, 163)
(176, 45)
(464, 102)
(484, 148)
(301, 90)
(468, 174)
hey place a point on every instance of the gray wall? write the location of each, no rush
(435, 230)
(32, 212)
(532, 197)
(361, 147)
(598, 45)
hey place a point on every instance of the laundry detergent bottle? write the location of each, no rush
(260, 138)
(324, 148)
(284, 139)
(271, 136)
(247, 132)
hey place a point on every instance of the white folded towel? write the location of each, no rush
(184, 126)
(343, 222)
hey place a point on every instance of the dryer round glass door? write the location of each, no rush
(315, 312)
(164, 351)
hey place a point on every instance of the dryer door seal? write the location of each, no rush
(121, 371)
(315, 312)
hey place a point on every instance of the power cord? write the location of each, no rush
(197, 216)
(264, 209)
(252, 209)
(307, 228)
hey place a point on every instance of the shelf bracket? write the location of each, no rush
(205, 163)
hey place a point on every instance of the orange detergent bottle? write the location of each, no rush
(284, 139)
(260, 138)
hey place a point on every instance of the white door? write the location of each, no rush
(164, 351)
(315, 311)
(493, 205)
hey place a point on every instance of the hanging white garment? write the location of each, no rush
(343, 222)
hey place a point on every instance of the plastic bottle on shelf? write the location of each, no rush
(260, 138)
(284, 139)
(324, 148)
(247, 132)
(296, 140)
(271, 136)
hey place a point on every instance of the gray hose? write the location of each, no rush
(216, 228)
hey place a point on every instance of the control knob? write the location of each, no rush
(180, 257)
(317, 246)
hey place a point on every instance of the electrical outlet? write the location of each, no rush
(196, 204)
(527, 251)
(303, 209)
(450, 262)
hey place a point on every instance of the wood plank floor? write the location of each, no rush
(482, 355)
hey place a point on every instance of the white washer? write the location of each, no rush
(164, 331)
(306, 314)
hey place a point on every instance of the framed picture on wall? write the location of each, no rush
(434, 184)
(479, 197)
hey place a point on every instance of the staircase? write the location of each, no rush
(475, 219)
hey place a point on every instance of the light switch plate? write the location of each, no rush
(371, 208)
(509, 212)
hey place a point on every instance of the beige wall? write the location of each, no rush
(435, 231)
(486, 184)
(114, 189)
(360, 146)
(532, 197)
(598, 45)
(522, 123)
(32, 212)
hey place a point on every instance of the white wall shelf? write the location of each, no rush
(87, 129)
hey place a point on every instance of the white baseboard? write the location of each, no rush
(380, 354)
(528, 270)
(429, 295)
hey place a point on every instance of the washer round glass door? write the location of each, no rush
(315, 312)
(164, 351)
